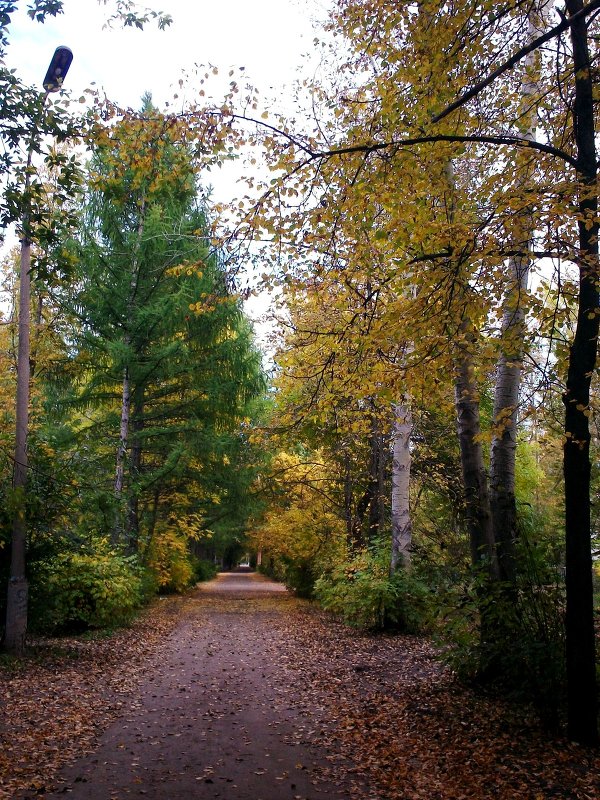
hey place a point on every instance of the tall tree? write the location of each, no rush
(513, 327)
(166, 357)
(400, 493)
(25, 124)
(581, 657)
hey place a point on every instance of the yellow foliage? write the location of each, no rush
(169, 560)
(302, 526)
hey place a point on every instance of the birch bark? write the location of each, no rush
(508, 371)
(400, 501)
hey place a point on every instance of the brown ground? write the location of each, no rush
(242, 692)
(213, 719)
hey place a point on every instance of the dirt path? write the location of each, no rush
(216, 718)
(241, 691)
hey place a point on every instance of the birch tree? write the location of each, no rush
(400, 496)
(513, 331)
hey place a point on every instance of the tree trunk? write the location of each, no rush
(153, 521)
(466, 400)
(581, 659)
(503, 503)
(475, 479)
(401, 461)
(36, 337)
(376, 480)
(348, 500)
(121, 456)
(118, 532)
(135, 462)
(18, 589)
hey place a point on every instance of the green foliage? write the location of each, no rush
(364, 594)
(153, 310)
(92, 588)
(47, 503)
(510, 639)
(169, 560)
(129, 14)
(300, 576)
(204, 570)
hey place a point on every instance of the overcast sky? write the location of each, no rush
(267, 37)
(271, 39)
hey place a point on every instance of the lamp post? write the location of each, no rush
(18, 590)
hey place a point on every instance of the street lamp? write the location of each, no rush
(18, 590)
(57, 71)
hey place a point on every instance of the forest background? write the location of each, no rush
(427, 220)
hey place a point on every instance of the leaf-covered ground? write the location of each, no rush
(54, 704)
(412, 732)
(385, 720)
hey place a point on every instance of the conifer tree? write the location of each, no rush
(166, 358)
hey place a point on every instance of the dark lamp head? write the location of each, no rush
(59, 66)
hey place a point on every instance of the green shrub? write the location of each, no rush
(364, 594)
(81, 590)
(510, 638)
(203, 569)
(169, 559)
(299, 577)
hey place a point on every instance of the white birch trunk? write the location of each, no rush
(508, 370)
(401, 463)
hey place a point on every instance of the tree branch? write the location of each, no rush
(518, 141)
(515, 58)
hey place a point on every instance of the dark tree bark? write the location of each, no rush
(503, 503)
(376, 480)
(117, 532)
(135, 467)
(18, 587)
(477, 499)
(581, 659)
(348, 499)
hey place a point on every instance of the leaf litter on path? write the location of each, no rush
(390, 721)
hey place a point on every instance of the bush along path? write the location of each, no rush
(241, 691)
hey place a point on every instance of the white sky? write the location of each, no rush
(269, 38)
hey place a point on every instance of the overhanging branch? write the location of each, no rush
(515, 58)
